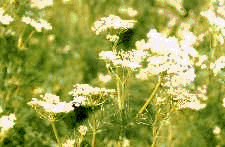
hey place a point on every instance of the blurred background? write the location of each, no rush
(55, 60)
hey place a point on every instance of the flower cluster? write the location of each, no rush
(40, 4)
(85, 90)
(104, 78)
(130, 11)
(4, 18)
(112, 21)
(184, 99)
(88, 95)
(83, 130)
(51, 103)
(216, 20)
(172, 57)
(79, 100)
(7, 122)
(216, 130)
(38, 25)
(129, 59)
(126, 142)
(69, 143)
(202, 59)
(112, 38)
(194, 104)
(175, 3)
(218, 65)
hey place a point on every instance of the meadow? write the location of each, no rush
(112, 73)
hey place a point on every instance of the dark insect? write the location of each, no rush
(78, 115)
(126, 38)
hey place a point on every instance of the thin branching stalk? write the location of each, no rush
(151, 96)
(169, 136)
(94, 132)
(118, 89)
(30, 36)
(55, 132)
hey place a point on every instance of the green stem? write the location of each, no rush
(56, 134)
(151, 96)
(118, 89)
(94, 132)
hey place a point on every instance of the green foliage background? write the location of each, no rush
(43, 63)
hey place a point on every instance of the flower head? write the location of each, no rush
(38, 25)
(216, 130)
(112, 21)
(83, 130)
(51, 103)
(7, 122)
(218, 65)
(85, 94)
(40, 4)
(4, 18)
(104, 78)
(69, 143)
(130, 11)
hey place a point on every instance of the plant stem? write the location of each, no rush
(94, 132)
(150, 98)
(56, 134)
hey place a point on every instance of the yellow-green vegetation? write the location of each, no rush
(112, 73)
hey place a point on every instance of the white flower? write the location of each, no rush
(216, 130)
(143, 74)
(112, 38)
(57, 108)
(40, 4)
(201, 58)
(194, 104)
(51, 103)
(38, 25)
(84, 94)
(5, 19)
(83, 130)
(50, 98)
(218, 65)
(108, 55)
(69, 143)
(213, 19)
(172, 57)
(160, 44)
(2, 11)
(129, 59)
(79, 100)
(87, 90)
(27, 20)
(176, 3)
(37, 90)
(112, 21)
(7, 122)
(130, 11)
(104, 78)
(126, 142)
(141, 45)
